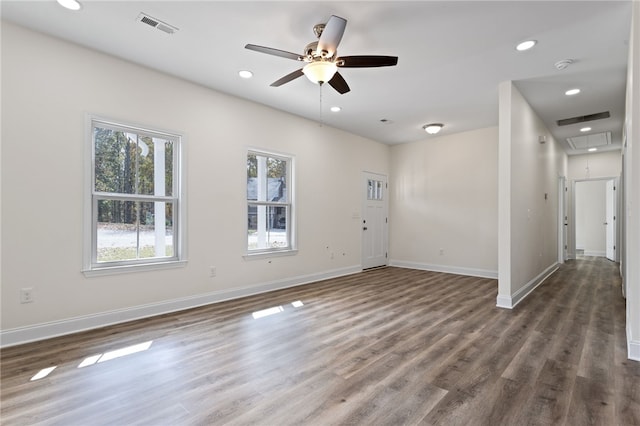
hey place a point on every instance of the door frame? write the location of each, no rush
(572, 222)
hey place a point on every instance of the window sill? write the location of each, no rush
(113, 270)
(269, 254)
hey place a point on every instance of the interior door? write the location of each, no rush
(374, 221)
(610, 220)
(563, 220)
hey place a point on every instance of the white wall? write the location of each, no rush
(47, 87)
(600, 164)
(631, 151)
(444, 196)
(590, 216)
(528, 198)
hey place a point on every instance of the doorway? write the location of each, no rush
(374, 221)
(595, 205)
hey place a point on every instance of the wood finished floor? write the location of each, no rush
(385, 347)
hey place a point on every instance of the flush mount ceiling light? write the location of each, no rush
(433, 128)
(585, 129)
(336, 109)
(526, 45)
(245, 74)
(592, 149)
(320, 71)
(572, 92)
(70, 4)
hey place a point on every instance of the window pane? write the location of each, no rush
(115, 160)
(129, 230)
(117, 231)
(266, 178)
(155, 165)
(276, 180)
(156, 230)
(128, 163)
(267, 227)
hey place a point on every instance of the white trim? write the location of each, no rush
(503, 301)
(510, 302)
(458, 270)
(634, 350)
(268, 254)
(17, 336)
(126, 269)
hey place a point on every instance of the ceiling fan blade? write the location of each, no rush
(275, 52)
(366, 61)
(287, 78)
(338, 83)
(331, 35)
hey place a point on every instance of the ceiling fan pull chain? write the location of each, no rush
(321, 120)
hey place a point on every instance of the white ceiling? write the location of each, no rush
(452, 56)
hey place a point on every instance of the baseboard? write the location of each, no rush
(510, 302)
(18, 336)
(634, 350)
(505, 302)
(595, 253)
(481, 273)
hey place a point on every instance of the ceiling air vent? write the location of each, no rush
(583, 118)
(590, 141)
(156, 23)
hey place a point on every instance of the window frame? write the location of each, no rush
(289, 205)
(91, 267)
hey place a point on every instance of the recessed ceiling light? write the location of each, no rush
(70, 4)
(592, 149)
(585, 129)
(526, 45)
(433, 128)
(336, 109)
(572, 92)
(245, 74)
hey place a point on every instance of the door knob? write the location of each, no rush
(364, 228)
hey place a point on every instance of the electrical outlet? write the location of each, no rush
(212, 271)
(26, 295)
(441, 252)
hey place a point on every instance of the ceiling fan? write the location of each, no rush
(322, 61)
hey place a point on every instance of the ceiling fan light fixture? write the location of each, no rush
(433, 128)
(320, 71)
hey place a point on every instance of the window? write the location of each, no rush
(135, 198)
(374, 189)
(269, 203)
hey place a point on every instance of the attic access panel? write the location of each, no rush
(590, 141)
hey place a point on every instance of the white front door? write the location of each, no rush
(374, 221)
(610, 220)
